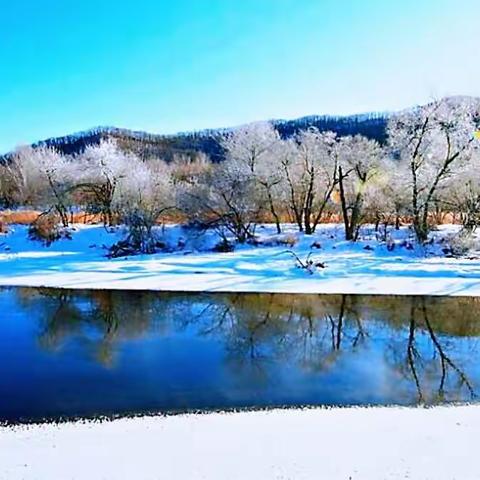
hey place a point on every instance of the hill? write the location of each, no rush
(208, 141)
(144, 144)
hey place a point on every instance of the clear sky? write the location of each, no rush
(167, 66)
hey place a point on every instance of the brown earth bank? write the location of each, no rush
(27, 217)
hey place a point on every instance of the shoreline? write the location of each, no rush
(168, 283)
(336, 443)
(361, 268)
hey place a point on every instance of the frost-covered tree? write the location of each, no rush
(103, 166)
(224, 198)
(256, 149)
(385, 200)
(31, 186)
(461, 194)
(186, 170)
(43, 178)
(8, 187)
(433, 141)
(142, 199)
(310, 171)
(359, 165)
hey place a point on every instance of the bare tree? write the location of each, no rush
(225, 198)
(142, 200)
(103, 167)
(432, 140)
(256, 149)
(359, 160)
(461, 194)
(8, 187)
(43, 178)
(310, 170)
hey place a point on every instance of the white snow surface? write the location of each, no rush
(351, 443)
(364, 267)
(317, 444)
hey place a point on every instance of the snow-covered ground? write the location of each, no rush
(372, 443)
(336, 444)
(363, 267)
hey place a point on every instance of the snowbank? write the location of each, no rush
(366, 267)
(369, 444)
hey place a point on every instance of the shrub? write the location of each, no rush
(45, 229)
(461, 244)
(308, 264)
(121, 249)
(287, 240)
(224, 246)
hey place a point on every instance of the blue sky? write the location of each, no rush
(167, 66)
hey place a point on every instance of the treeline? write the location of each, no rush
(190, 144)
(373, 125)
(427, 167)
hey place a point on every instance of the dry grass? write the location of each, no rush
(86, 218)
(27, 217)
(22, 217)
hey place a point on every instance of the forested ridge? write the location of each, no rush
(417, 166)
(148, 145)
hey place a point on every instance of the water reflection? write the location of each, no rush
(228, 350)
(416, 334)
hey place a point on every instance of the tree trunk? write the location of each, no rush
(307, 222)
(274, 212)
(355, 218)
(348, 231)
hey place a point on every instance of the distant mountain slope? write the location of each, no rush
(371, 125)
(208, 141)
(142, 143)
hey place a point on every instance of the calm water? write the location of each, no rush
(84, 353)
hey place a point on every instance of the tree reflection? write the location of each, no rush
(439, 355)
(99, 320)
(417, 337)
(315, 331)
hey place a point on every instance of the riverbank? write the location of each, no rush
(350, 443)
(364, 267)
